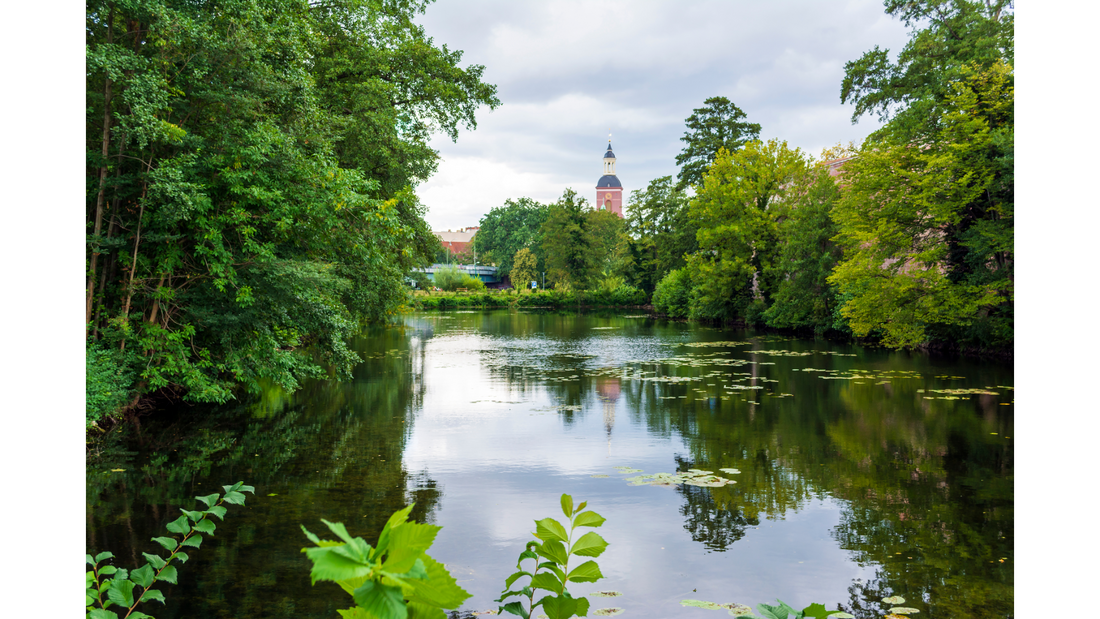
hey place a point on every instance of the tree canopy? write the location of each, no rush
(718, 124)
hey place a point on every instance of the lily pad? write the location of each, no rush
(904, 610)
(629, 471)
(894, 599)
(600, 476)
(701, 604)
(840, 615)
(604, 594)
(738, 610)
(730, 471)
(607, 612)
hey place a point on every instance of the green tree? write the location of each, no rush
(803, 297)
(948, 36)
(566, 243)
(736, 211)
(926, 222)
(718, 124)
(661, 230)
(506, 229)
(524, 269)
(231, 224)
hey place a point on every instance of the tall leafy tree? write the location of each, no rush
(227, 231)
(807, 255)
(524, 269)
(661, 231)
(926, 225)
(737, 211)
(506, 229)
(567, 243)
(718, 124)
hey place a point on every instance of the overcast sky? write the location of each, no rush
(569, 71)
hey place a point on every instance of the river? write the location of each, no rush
(861, 472)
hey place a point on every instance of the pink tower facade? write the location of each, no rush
(609, 191)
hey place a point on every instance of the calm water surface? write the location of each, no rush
(863, 473)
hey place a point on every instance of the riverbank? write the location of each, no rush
(623, 297)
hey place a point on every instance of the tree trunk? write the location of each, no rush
(133, 263)
(102, 181)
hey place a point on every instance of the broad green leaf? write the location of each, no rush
(236, 498)
(407, 542)
(329, 565)
(508, 594)
(153, 560)
(513, 578)
(527, 554)
(582, 607)
(555, 551)
(152, 595)
(205, 526)
(382, 601)
(179, 525)
(419, 571)
(168, 574)
(89, 599)
(340, 530)
(209, 499)
(397, 519)
(549, 529)
(246, 488)
(780, 611)
(99, 613)
(354, 613)
(169, 543)
(516, 608)
(143, 576)
(589, 545)
(588, 571)
(89, 578)
(89, 560)
(547, 581)
(817, 611)
(553, 567)
(425, 611)
(104, 555)
(310, 536)
(234, 487)
(194, 541)
(558, 607)
(588, 519)
(121, 592)
(218, 511)
(567, 505)
(577, 509)
(180, 556)
(440, 589)
(139, 615)
(107, 570)
(193, 515)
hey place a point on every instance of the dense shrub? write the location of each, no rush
(108, 380)
(673, 294)
(452, 278)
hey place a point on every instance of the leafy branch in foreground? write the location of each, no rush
(395, 579)
(120, 588)
(556, 548)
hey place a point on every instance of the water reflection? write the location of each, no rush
(863, 473)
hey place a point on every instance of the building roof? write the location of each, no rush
(609, 154)
(459, 236)
(609, 180)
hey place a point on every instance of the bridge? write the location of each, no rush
(486, 274)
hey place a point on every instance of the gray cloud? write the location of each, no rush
(567, 71)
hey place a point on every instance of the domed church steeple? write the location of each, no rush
(609, 191)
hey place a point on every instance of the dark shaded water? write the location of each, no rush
(863, 473)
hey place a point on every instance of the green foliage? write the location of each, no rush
(250, 176)
(737, 212)
(524, 269)
(661, 230)
(507, 229)
(926, 223)
(128, 588)
(109, 377)
(673, 294)
(395, 578)
(567, 242)
(451, 278)
(807, 255)
(718, 125)
(552, 556)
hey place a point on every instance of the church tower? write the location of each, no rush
(609, 191)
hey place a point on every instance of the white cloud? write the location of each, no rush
(567, 71)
